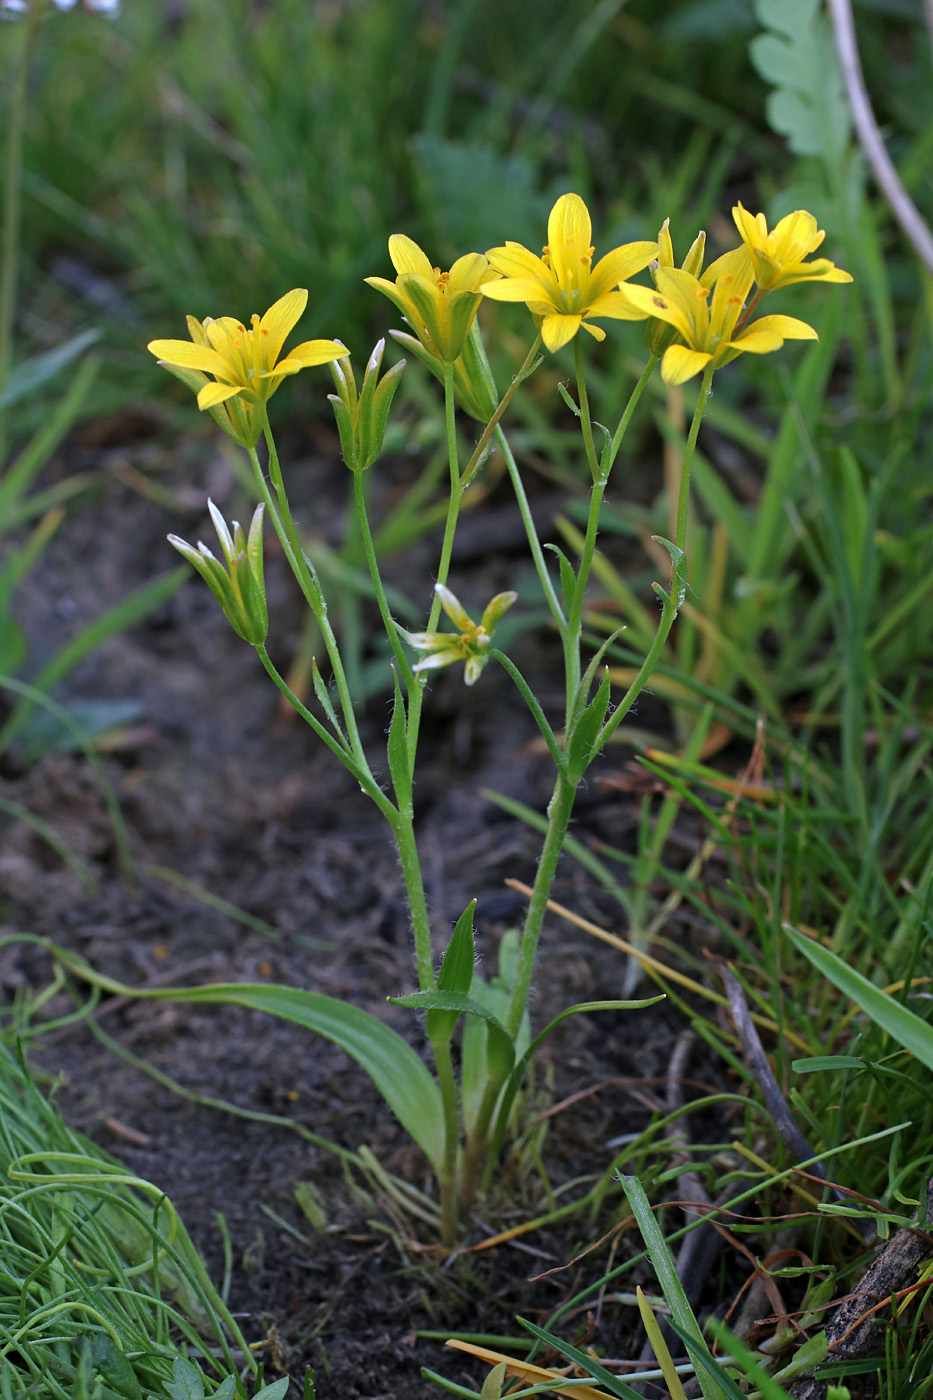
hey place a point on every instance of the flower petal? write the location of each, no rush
(559, 328)
(621, 264)
(408, 257)
(569, 236)
(520, 289)
(213, 394)
(279, 321)
(189, 356)
(310, 352)
(617, 307)
(454, 608)
(787, 327)
(680, 363)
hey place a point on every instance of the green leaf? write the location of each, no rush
(798, 57)
(397, 749)
(587, 1363)
(400, 1076)
(500, 1050)
(902, 1025)
(456, 974)
(582, 745)
(679, 561)
(568, 579)
(186, 1382)
(113, 1366)
(518, 1073)
(682, 1315)
(38, 370)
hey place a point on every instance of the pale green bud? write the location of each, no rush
(237, 584)
(362, 415)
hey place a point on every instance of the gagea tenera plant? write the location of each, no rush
(697, 322)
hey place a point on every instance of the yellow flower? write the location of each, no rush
(244, 363)
(705, 315)
(562, 286)
(658, 335)
(778, 257)
(439, 306)
(470, 643)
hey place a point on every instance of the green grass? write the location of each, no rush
(99, 1281)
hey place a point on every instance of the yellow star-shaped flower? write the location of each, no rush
(778, 257)
(244, 362)
(705, 315)
(562, 287)
(439, 306)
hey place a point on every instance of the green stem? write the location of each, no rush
(559, 810)
(671, 601)
(362, 775)
(12, 200)
(288, 535)
(416, 690)
(404, 832)
(479, 451)
(369, 549)
(531, 701)
(534, 544)
(447, 1177)
(477, 1143)
(584, 405)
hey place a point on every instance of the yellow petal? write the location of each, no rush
(213, 394)
(621, 264)
(515, 261)
(671, 302)
(279, 320)
(518, 289)
(189, 356)
(408, 257)
(787, 327)
(557, 330)
(755, 341)
(681, 363)
(311, 352)
(569, 236)
(468, 272)
(617, 306)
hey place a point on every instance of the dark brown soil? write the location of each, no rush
(216, 786)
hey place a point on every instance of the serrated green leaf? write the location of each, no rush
(186, 1382)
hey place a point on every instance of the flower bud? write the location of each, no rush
(658, 334)
(239, 587)
(362, 414)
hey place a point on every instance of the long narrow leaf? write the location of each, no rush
(903, 1025)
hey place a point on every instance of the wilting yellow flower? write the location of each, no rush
(562, 286)
(244, 363)
(439, 306)
(470, 643)
(778, 257)
(705, 315)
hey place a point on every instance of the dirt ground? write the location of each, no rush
(216, 786)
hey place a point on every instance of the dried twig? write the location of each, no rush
(889, 182)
